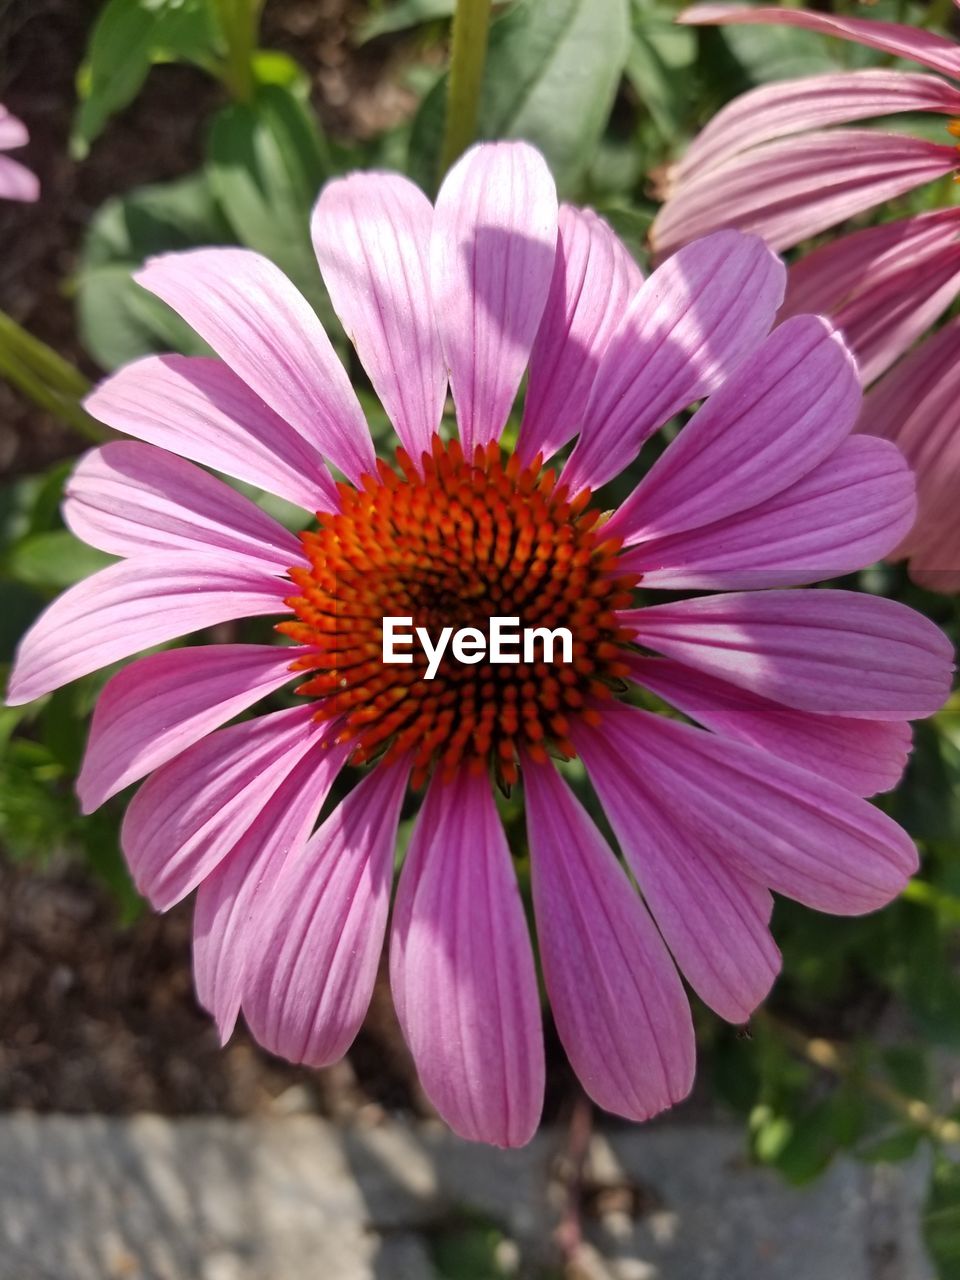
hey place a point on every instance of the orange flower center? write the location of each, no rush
(459, 544)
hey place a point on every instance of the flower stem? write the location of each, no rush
(240, 23)
(44, 377)
(471, 25)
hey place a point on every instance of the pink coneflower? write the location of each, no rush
(16, 181)
(773, 163)
(803, 696)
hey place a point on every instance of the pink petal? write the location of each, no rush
(230, 931)
(200, 410)
(781, 413)
(371, 233)
(462, 969)
(17, 182)
(917, 405)
(768, 820)
(769, 190)
(865, 756)
(847, 513)
(714, 919)
(160, 705)
(313, 956)
(267, 332)
(492, 255)
(128, 498)
(812, 102)
(594, 278)
(832, 652)
(883, 287)
(13, 132)
(687, 328)
(890, 37)
(618, 1003)
(189, 814)
(132, 606)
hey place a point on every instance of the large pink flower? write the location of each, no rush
(774, 163)
(801, 697)
(16, 181)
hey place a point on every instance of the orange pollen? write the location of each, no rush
(453, 545)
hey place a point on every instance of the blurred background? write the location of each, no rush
(820, 1141)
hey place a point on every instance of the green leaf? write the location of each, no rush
(552, 71)
(401, 17)
(52, 561)
(941, 1218)
(119, 321)
(128, 38)
(659, 65)
(267, 161)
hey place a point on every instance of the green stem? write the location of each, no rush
(240, 24)
(471, 25)
(46, 378)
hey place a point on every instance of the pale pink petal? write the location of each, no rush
(462, 971)
(233, 903)
(313, 955)
(199, 409)
(160, 705)
(189, 814)
(13, 132)
(890, 37)
(371, 233)
(883, 287)
(769, 190)
(132, 606)
(269, 335)
(714, 918)
(768, 820)
(492, 254)
(594, 278)
(128, 498)
(618, 1004)
(865, 756)
(781, 413)
(812, 102)
(17, 182)
(847, 513)
(688, 327)
(831, 652)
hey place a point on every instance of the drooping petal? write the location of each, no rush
(231, 937)
(316, 949)
(269, 335)
(13, 132)
(768, 820)
(865, 756)
(132, 606)
(811, 102)
(371, 233)
(917, 405)
(847, 513)
(128, 499)
(883, 287)
(189, 814)
(688, 327)
(783, 411)
(160, 705)
(617, 1001)
(594, 278)
(17, 182)
(832, 652)
(714, 918)
(199, 409)
(890, 37)
(771, 190)
(461, 968)
(492, 255)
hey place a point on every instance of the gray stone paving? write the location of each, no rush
(297, 1198)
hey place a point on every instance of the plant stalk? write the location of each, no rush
(44, 377)
(471, 26)
(240, 24)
